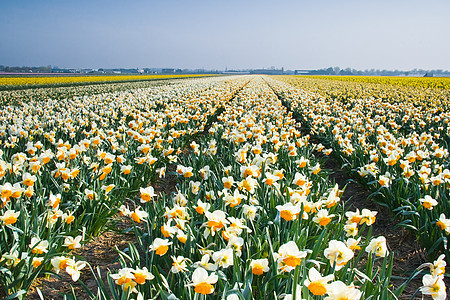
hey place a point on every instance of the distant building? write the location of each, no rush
(168, 71)
(302, 72)
(268, 71)
(231, 72)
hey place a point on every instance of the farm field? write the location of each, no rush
(222, 189)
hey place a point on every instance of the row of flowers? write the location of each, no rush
(398, 149)
(67, 166)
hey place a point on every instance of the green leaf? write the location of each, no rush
(16, 295)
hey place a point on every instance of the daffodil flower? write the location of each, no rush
(202, 282)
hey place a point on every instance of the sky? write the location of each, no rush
(360, 34)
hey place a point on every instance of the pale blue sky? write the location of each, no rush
(401, 34)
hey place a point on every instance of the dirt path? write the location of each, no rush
(100, 252)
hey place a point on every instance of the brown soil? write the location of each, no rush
(100, 252)
(167, 185)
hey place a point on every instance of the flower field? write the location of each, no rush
(417, 82)
(253, 214)
(397, 148)
(57, 80)
(433, 92)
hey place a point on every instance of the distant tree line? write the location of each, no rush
(42, 69)
(54, 69)
(376, 72)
